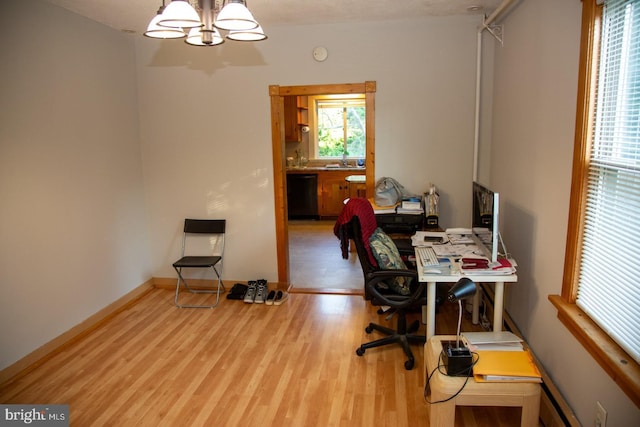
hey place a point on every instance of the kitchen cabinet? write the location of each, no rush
(295, 117)
(332, 190)
(291, 129)
(357, 185)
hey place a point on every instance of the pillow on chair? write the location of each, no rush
(388, 257)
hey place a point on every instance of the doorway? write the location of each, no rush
(316, 260)
(277, 95)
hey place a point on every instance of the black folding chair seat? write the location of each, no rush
(216, 229)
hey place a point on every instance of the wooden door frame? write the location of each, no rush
(277, 94)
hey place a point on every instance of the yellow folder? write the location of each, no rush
(506, 366)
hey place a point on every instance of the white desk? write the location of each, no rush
(455, 275)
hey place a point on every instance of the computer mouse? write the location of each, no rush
(433, 271)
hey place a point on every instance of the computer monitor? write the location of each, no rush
(484, 225)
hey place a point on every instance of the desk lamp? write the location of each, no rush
(457, 359)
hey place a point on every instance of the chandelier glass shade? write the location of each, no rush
(252, 35)
(200, 37)
(235, 16)
(158, 32)
(180, 14)
(200, 27)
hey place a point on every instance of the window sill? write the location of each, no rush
(610, 356)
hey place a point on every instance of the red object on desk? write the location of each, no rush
(483, 264)
(475, 263)
(504, 263)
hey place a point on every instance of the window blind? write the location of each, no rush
(609, 279)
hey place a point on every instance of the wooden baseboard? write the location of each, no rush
(295, 290)
(56, 345)
(170, 283)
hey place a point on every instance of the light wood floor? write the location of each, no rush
(316, 262)
(239, 365)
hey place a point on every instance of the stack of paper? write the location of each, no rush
(481, 265)
(506, 366)
(459, 236)
(429, 238)
(495, 341)
(501, 357)
(411, 205)
(382, 209)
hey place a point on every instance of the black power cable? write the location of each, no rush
(440, 369)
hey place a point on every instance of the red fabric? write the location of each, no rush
(360, 207)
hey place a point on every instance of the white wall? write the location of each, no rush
(72, 221)
(206, 130)
(533, 128)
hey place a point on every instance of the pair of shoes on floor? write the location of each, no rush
(238, 291)
(277, 297)
(256, 292)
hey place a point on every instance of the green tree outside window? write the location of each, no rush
(341, 128)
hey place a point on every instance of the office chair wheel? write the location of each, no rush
(359, 351)
(408, 365)
(368, 329)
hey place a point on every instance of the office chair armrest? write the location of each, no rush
(392, 299)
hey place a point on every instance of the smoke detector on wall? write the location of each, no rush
(320, 53)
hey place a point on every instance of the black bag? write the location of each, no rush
(237, 291)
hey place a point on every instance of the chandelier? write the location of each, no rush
(201, 24)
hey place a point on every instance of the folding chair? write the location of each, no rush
(215, 228)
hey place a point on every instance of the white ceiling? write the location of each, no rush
(135, 14)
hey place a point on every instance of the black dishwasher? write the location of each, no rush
(302, 195)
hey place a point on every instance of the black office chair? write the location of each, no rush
(215, 230)
(382, 295)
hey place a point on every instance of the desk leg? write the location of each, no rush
(431, 309)
(498, 306)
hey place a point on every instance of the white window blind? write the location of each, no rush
(609, 279)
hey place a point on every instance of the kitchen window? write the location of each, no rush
(339, 131)
(601, 291)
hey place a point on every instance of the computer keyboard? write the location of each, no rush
(427, 255)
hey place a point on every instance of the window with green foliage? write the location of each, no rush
(340, 128)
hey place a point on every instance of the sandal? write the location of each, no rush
(281, 297)
(271, 298)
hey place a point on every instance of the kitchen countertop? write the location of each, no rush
(323, 168)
